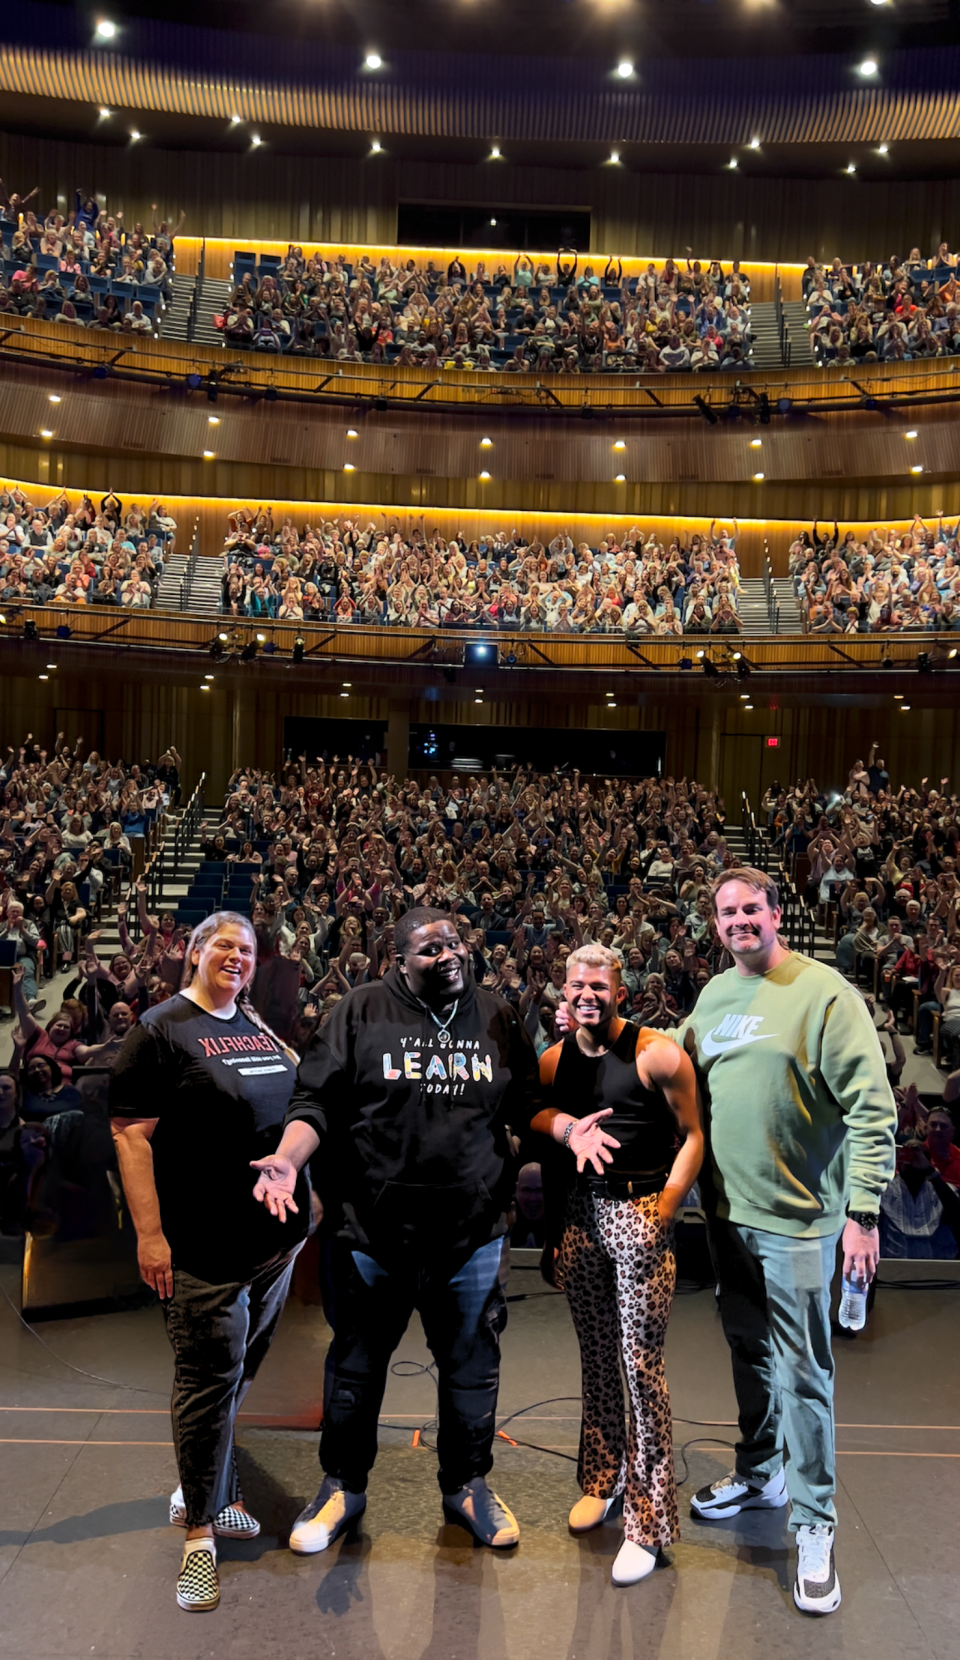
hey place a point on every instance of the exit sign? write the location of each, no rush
(773, 743)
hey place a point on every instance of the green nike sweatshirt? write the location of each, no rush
(800, 1115)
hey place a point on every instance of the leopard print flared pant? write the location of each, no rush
(618, 1270)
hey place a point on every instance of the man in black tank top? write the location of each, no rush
(622, 1115)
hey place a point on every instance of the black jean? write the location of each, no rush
(219, 1334)
(463, 1310)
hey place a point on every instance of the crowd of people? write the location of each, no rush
(890, 312)
(60, 553)
(85, 266)
(887, 582)
(354, 573)
(528, 315)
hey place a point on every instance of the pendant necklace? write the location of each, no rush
(443, 1033)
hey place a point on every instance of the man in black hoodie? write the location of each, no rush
(409, 1089)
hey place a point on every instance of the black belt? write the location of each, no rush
(641, 1185)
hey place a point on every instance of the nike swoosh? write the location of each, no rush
(719, 1046)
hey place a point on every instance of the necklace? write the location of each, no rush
(443, 1033)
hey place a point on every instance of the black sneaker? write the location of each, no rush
(817, 1588)
(733, 1494)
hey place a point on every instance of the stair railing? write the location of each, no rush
(783, 331)
(165, 865)
(798, 924)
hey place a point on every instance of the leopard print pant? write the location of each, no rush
(618, 1270)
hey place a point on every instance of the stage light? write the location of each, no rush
(64, 631)
(43, 677)
(868, 67)
(376, 147)
(883, 149)
(373, 60)
(209, 455)
(348, 467)
(352, 432)
(625, 69)
(205, 688)
(764, 410)
(733, 163)
(495, 153)
(344, 694)
(754, 143)
(213, 385)
(912, 433)
(260, 638)
(46, 433)
(209, 677)
(135, 136)
(784, 405)
(106, 114)
(886, 661)
(249, 651)
(477, 652)
(917, 469)
(484, 475)
(710, 669)
(216, 651)
(851, 167)
(904, 708)
(193, 380)
(234, 120)
(222, 636)
(105, 29)
(709, 415)
(743, 668)
(256, 140)
(298, 645)
(30, 633)
(615, 157)
(924, 665)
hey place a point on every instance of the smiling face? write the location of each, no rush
(434, 963)
(225, 962)
(593, 992)
(747, 925)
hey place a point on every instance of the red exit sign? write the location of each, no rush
(773, 743)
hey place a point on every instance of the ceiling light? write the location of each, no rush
(347, 683)
(733, 163)
(135, 135)
(208, 455)
(744, 697)
(46, 433)
(261, 638)
(493, 221)
(484, 475)
(916, 469)
(478, 700)
(478, 690)
(375, 146)
(344, 694)
(105, 29)
(754, 143)
(615, 156)
(758, 478)
(611, 706)
(106, 114)
(912, 433)
(624, 69)
(904, 708)
(55, 397)
(748, 706)
(348, 467)
(373, 60)
(756, 443)
(352, 432)
(256, 140)
(495, 152)
(486, 443)
(619, 445)
(868, 67)
(851, 167)
(621, 478)
(234, 120)
(898, 697)
(883, 149)
(51, 665)
(208, 677)
(213, 420)
(43, 677)
(609, 694)
(205, 688)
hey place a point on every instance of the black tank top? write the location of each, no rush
(642, 1121)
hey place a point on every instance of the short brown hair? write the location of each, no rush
(750, 878)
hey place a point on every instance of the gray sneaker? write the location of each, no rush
(325, 1517)
(483, 1514)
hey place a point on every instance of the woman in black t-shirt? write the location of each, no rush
(202, 1085)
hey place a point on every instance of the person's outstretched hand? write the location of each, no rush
(275, 1185)
(589, 1143)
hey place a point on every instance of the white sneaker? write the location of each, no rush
(734, 1493)
(330, 1512)
(633, 1562)
(817, 1588)
(198, 1586)
(589, 1513)
(477, 1508)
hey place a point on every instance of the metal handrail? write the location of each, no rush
(166, 862)
(786, 345)
(798, 923)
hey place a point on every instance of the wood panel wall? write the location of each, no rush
(326, 198)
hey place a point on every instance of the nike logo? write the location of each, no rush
(735, 1031)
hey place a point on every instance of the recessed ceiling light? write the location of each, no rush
(615, 156)
(348, 467)
(55, 397)
(624, 69)
(898, 697)
(208, 677)
(46, 433)
(904, 708)
(105, 29)
(851, 167)
(495, 152)
(484, 475)
(621, 478)
(376, 146)
(373, 60)
(51, 665)
(748, 706)
(493, 222)
(344, 694)
(756, 443)
(912, 433)
(213, 420)
(883, 149)
(347, 683)
(478, 700)
(754, 143)
(478, 690)
(733, 162)
(868, 67)
(744, 697)
(619, 445)
(43, 677)
(916, 469)
(205, 688)
(256, 140)
(135, 135)
(106, 114)
(486, 443)
(611, 706)
(352, 432)
(234, 120)
(758, 478)
(208, 455)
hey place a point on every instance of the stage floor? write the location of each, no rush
(87, 1560)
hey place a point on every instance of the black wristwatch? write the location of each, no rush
(866, 1219)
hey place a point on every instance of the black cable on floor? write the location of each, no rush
(135, 1388)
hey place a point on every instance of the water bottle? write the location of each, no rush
(853, 1304)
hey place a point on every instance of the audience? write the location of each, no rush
(60, 554)
(358, 573)
(886, 313)
(888, 582)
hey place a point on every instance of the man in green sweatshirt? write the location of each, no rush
(801, 1125)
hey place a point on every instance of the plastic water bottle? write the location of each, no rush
(853, 1305)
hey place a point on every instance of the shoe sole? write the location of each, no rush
(458, 1520)
(221, 1532)
(734, 1509)
(196, 1607)
(818, 1609)
(314, 1550)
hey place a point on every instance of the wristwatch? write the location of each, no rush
(866, 1219)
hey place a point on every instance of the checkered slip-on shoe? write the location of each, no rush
(198, 1587)
(230, 1524)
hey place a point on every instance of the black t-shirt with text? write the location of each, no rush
(219, 1090)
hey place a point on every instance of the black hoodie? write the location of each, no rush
(413, 1133)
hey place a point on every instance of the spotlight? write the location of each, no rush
(105, 29)
(868, 67)
(376, 147)
(743, 669)
(249, 652)
(478, 652)
(709, 415)
(754, 143)
(710, 669)
(271, 394)
(64, 631)
(194, 380)
(30, 630)
(784, 405)
(373, 60)
(685, 663)
(495, 152)
(624, 69)
(216, 651)
(298, 649)
(450, 675)
(924, 665)
(614, 157)
(886, 661)
(213, 386)
(764, 410)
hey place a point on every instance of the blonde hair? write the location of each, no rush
(596, 956)
(205, 931)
